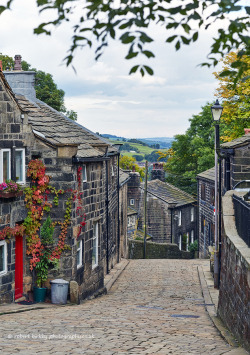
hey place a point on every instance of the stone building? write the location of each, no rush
(235, 169)
(206, 205)
(123, 202)
(76, 160)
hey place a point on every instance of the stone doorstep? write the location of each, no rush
(211, 296)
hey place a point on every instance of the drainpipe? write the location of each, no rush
(107, 218)
(171, 226)
(118, 210)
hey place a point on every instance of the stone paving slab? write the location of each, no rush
(153, 308)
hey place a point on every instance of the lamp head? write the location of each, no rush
(216, 110)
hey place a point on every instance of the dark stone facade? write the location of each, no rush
(99, 196)
(206, 219)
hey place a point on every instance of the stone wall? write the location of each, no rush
(233, 307)
(156, 251)
(123, 194)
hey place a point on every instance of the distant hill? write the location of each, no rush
(164, 142)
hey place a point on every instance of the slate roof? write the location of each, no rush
(56, 129)
(131, 211)
(237, 142)
(208, 174)
(169, 193)
(123, 177)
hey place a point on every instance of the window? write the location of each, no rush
(212, 196)
(180, 241)
(79, 254)
(203, 222)
(3, 257)
(84, 173)
(203, 192)
(187, 242)
(95, 247)
(192, 236)
(192, 214)
(20, 165)
(179, 218)
(132, 202)
(5, 165)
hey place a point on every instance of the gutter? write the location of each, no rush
(85, 160)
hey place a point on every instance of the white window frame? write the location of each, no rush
(192, 214)
(95, 237)
(132, 202)
(187, 243)
(4, 271)
(79, 250)
(1, 163)
(180, 241)
(192, 236)
(84, 173)
(23, 159)
(179, 218)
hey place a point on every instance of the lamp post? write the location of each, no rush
(216, 113)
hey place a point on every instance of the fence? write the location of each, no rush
(242, 218)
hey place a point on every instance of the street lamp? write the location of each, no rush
(216, 113)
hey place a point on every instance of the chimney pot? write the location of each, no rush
(247, 131)
(18, 62)
(1, 65)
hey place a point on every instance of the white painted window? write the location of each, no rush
(179, 218)
(132, 202)
(180, 241)
(79, 254)
(3, 257)
(95, 246)
(128, 221)
(187, 243)
(192, 214)
(5, 163)
(84, 173)
(192, 236)
(20, 165)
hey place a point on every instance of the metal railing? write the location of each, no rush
(242, 218)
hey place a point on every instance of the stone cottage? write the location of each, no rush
(206, 208)
(171, 212)
(76, 159)
(235, 169)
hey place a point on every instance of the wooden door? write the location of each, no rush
(19, 267)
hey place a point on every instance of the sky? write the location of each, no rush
(106, 98)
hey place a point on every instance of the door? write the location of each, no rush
(19, 267)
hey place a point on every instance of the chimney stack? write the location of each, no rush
(1, 66)
(247, 131)
(18, 62)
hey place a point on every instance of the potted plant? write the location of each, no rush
(45, 263)
(10, 189)
(193, 248)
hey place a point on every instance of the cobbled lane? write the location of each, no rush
(155, 307)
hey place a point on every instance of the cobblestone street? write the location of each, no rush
(155, 307)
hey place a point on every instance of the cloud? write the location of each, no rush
(106, 98)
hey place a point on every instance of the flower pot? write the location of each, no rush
(39, 294)
(5, 194)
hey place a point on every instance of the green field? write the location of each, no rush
(142, 149)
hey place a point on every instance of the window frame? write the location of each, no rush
(203, 192)
(192, 214)
(79, 249)
(23, 161)
(4, 271)
(84, 173)
(96, 238)
(180, 241)
(192, 236)
(1, 163)
(130, 202)
(179, 218)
